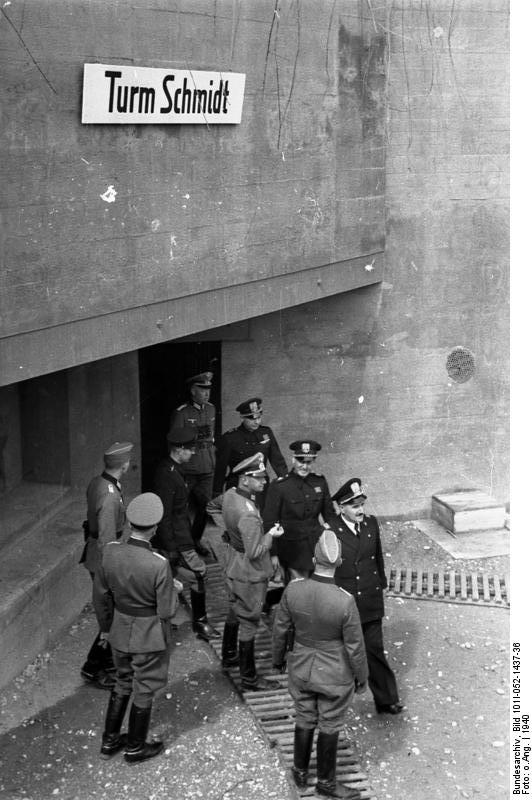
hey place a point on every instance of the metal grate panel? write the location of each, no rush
(451, 587)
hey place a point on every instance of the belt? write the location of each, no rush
(137, 612)
(327, 645)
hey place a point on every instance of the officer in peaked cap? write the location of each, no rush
(297, 501)
(134, 598)
(200, 414)
(248, 570)
(105, 522)
(326, 665)
(174, 535)
(362, 574)
(242, 442)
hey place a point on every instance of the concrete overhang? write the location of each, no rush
(34, 353)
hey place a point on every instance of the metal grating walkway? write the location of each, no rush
(451, 587)
(273, 710)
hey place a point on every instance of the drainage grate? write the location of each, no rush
(451, 587)
(274, 710)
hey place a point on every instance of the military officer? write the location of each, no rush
(362, 574)
(297, 501)
(247, 571)
(135, 597)
(326, 665)
(199, 413)
(173, 538)
(240, 443)
(106, 516)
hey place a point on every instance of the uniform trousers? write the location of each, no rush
(381, 678)
(142, 674)
(188, 567)
(320, 706)
(245, 605)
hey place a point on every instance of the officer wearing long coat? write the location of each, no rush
(106, 518)
(326, 665)
(297, 501)
(249, 438)
(362, 574)
(134, 598)
(174, 536)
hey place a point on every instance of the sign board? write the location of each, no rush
(137, 95)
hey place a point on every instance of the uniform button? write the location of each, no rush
(359, 592)
(358, 577)
(373, 557)
(374, 572)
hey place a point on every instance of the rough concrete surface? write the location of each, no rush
(451, 662)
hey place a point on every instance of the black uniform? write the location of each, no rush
(297, 503)
(240, 443)
(362, 574)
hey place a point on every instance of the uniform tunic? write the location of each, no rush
(328, 658)
(297, 503)
(174, 537)
(202, 419)
(106, 516)
(134, 599)
(240, 443)
(362, 574)
(249, 566)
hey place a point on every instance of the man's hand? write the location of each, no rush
(178, 586)
(275, 562)
(360, 688)
(276, 530)
(104, 638)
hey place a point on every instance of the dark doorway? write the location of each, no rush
(163, 370)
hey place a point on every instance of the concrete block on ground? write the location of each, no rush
(467, 510)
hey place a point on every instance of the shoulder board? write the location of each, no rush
(281, 478)
(295, 580)
(180, 408)
(250, 506)
(345, 591)
(114, 542)
(159, 555)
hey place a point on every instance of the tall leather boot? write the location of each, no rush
(112, 739)
(248, 673)
(137, 748)
(200, 623)
(327, 785)
(230, 645)
(302, 749)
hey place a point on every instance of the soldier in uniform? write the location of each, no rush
(199, 471)
(135, 597)
(326, 665)
(297, 501)
(174, 538)
(248, 569)
(362, 575)
(240, 443)
(106, 516)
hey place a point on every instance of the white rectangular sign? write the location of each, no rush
(134, 95)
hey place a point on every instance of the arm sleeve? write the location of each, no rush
(102, 599)
(354, 642)
(165, 592)
(164, 487)
(328, 513)
(222, 459)
(276, 457)
(281, 629)
(109, 519)
(256, 543)
(379, 557)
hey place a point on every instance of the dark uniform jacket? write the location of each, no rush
(362, 570)
(202, 419)
(173, 532)
(249, 552)
(134, 597)
(297, 503)
(106, 516)
(328, 645)
(236, 445)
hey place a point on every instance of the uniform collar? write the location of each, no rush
(351, 525)
(113, 480)
(245, 493)
(321, 578)
(139, 543)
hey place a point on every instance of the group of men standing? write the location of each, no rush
(291, 522)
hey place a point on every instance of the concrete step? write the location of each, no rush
(467, 510)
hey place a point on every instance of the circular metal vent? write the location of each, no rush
(460, 364)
